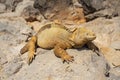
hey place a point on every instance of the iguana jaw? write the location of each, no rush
(90, 38)
(81, 36)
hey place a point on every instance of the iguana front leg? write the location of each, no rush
(30, 47)
(31, 50)
(60, 52)
(93, 47)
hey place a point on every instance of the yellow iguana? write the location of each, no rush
(58, 37)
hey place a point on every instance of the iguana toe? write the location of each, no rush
(68, 59)
(30, 58)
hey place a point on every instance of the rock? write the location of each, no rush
(31, 14)
(107, 32)
(106, 13)
(44, 5)
(11, 4)
(102, 8)
(112, 56)
(36, 25)
(87, 66)
(94, 5)
(116, 45)
(67, 11)
(11, 36)
(114, 77)
(3, 59)
(69, 16)
(2, 8)
(76, 3)
(91, 6)
(114, 73)
(18, 9)
(12, 31)
(114, 5)
(11, 68)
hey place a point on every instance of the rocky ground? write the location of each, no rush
(19, 19)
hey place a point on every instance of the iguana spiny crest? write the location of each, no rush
(58, 37)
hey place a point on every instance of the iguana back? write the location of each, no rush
(49, 35)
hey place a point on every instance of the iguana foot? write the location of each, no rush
(30, 57)
(93, 47)
(30, 47)
(67, 58)
(60, 52)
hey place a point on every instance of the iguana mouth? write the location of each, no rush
(91, 38)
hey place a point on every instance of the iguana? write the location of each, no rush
(58, 37)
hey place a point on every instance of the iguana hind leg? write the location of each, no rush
(30, 47)
(61, 53)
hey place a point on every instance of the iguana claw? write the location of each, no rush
(68, 59)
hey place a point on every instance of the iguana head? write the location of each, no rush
(82, 35)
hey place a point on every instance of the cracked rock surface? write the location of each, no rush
(16, 27)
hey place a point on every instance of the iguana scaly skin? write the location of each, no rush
(58, 37)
